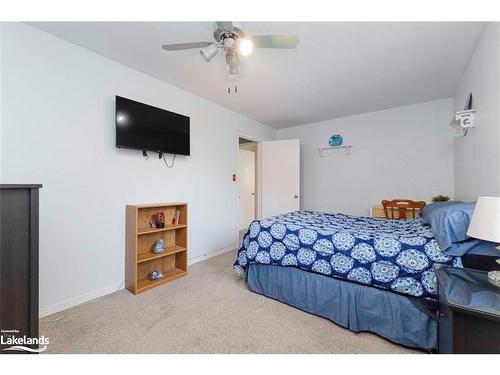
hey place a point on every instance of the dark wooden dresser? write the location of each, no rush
(18, 262)
(469, 311)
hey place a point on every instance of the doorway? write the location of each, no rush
(268, 179)
(248, 198)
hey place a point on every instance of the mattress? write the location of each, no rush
(395, 255)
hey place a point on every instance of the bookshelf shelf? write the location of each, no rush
(168, 251)
(140, 239)
(156, 230)
(171, 275)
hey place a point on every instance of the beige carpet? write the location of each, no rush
(209, 311)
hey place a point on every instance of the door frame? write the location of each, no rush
(258, 176)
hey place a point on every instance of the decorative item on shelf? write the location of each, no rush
(335, 140)
(485, 225)
(160, 219)
(440, 198)
(176, 217)
(335, 143)
(463, 120)
(152, 223)
(155, 275)
(159, 246)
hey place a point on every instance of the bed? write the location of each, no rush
(366, 274)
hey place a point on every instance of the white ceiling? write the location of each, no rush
(338, 69)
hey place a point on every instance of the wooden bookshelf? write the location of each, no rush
(140, 260)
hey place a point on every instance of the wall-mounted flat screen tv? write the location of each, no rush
(144, 127)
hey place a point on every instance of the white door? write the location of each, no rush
(280, 177)
(246, 188)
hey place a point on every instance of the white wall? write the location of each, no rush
(477, 156)
(404, 152)
(58, 130)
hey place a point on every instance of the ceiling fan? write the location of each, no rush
(233, 41)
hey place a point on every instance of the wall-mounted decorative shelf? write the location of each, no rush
(463, 120)
(324, 150)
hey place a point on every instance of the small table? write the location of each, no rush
(378, 211)
(469, 311)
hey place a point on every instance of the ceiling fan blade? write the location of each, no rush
(228, 25)
(275, 41)
(183, 46)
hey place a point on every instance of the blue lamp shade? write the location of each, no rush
(335, 140)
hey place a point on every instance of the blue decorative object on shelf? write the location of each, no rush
(155, 275)
(159, 246)
(335, 140)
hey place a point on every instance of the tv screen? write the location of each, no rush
(143, 127)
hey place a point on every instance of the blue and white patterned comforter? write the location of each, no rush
(388, 254)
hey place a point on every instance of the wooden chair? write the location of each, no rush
(401, 206)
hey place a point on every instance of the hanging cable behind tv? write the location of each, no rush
(161, 155)
(165, 160)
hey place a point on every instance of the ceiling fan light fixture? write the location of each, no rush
(246, 47)
(229, 42)
(209, 52)
(233, 64)
(233, 41)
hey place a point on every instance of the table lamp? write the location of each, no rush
(485, 225)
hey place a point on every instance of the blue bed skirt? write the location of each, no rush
(353, 306)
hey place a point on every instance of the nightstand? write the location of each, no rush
(469, 311)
